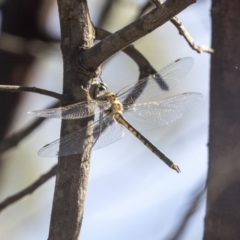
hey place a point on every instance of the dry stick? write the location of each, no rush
(189, 213)
(11, 88)
(182, 31)
(28, 190)
(12, 141)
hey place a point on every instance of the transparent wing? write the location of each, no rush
(146, 116)
(156, 84)
(112, 132)
(73, 143)
(78, 110)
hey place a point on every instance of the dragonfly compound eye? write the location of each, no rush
(97, 90)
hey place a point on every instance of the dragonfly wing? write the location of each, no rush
(111, 132)
(152, 115)
(73, 143)
(74, 111)
(154, 85)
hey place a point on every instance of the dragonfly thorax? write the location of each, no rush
(115, 105)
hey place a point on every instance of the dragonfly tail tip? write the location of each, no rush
(176, 168)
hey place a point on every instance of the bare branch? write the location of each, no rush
(145, 67)
(11, 88)
(189, 213)
(182, 31)
(12, 141)
(30, 189)
(92, 58)
(77, 32)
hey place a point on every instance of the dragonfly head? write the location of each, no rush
(109, 96)
(98, 89)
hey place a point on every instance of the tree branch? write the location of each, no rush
(95, 56)
(28, 190)
(77, 32)
(11, 88)
(183, 31)
(145, 67)
(12, 141)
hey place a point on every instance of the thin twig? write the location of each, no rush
(11, 88)
(45, 177)
(12, 141)
(189, 213)
(183, 31)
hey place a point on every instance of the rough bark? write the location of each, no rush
(223, 213)
(70, 189)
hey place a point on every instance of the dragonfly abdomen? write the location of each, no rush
(119, 118)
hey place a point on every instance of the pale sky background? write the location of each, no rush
(131, 193)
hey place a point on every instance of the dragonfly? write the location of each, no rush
(135, 108)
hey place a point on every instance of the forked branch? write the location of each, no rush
(92, 58)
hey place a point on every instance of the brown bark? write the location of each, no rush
(223, 213)
(71, 181)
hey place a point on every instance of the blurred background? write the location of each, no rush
(131, 193)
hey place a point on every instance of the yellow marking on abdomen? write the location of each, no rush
(118, 116)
